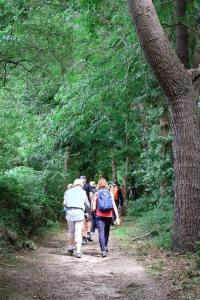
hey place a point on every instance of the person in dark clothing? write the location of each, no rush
(87, 224)
(87, 187)
(93, 215)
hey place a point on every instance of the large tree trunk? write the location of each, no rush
(182, 33)
(177, 85)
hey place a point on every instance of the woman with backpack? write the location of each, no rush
(103, 204)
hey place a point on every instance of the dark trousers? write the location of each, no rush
(93, 219)
(103, 225)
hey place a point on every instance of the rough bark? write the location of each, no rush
(182, 33)
(176, 83)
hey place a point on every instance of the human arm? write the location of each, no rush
(87, 203)
(94, 203)
(117, 221)
(65, 199)
(91, 195)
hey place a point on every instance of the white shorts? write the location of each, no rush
(75, 230)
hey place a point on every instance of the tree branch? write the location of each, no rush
(181, 23)
(16, 63)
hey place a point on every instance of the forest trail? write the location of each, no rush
(50, 273)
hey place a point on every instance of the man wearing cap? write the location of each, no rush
(75, 201)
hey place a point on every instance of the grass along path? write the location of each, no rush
(180, 273)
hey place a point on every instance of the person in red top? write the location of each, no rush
(103, 205)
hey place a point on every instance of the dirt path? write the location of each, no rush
(49, 273)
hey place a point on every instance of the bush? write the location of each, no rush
(25, 204)
(151, 218)
(141, 205)
(198, 254)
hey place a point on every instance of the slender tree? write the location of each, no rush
(182, 33)
(177, 85)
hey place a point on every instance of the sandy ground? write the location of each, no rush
(50, 273)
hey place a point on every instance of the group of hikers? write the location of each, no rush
(89, 206)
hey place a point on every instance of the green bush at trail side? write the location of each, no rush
(25, 205)
(198, 254)
(151, 218)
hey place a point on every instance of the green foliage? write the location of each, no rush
(77, 93)
(198, 254)
(25, 204)
(152, 218)
(76, 86)
(154, 166)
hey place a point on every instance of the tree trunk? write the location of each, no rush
(164, 130)
(66, 167)
(114, 168)
(177, 85)
(126, 172)
(182, 33)
(164, 124)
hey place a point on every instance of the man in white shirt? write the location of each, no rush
(75, 202)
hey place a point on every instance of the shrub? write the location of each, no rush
(25, 205)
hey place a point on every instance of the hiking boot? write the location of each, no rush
(106, 249)
(103, 254)
(89, 238)
(84, 241)
(78, 255)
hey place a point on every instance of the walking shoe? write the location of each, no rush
(78, 255)
(103, 254)
(106, 249)
(84, 241)
(89, 238)
(70, 251)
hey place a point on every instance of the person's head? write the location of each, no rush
(69, 186)
(102, 183)
(78, 182)
(92, 184)
(84, 179)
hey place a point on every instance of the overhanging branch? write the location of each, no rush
(181, 23)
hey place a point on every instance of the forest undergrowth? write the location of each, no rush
(151, 246)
